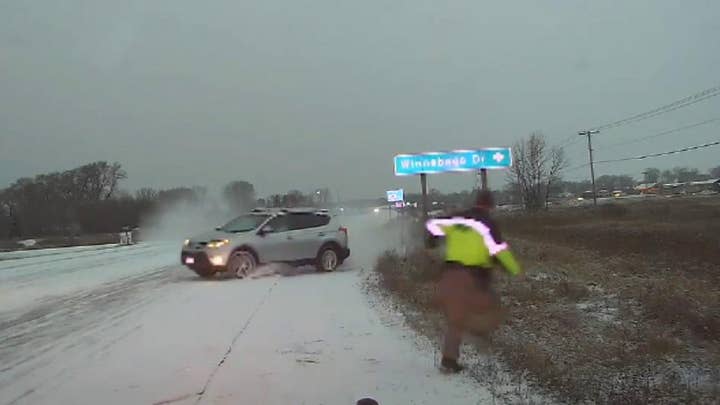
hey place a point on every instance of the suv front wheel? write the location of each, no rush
(241, 263)
(327, 259)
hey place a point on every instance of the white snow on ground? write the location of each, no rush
(31, 276)
(146, 336)
(315, 341)
(25, 254)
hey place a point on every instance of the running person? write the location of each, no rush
(472, 246)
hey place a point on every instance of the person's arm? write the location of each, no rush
(504, 256)
(507, 259)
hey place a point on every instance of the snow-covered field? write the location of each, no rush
(127, 325)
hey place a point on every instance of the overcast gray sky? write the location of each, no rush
(300, 94)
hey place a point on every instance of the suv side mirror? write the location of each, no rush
(265, 230)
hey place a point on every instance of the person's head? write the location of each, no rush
(367, 401)
(484, 200)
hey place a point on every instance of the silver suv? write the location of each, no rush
(293, 236)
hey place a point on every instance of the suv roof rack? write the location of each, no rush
(294, 210)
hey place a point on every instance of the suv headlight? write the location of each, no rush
(216, 243)
(187, 242)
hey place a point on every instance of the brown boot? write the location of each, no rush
(451, 365)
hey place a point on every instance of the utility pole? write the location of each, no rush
(589, 135)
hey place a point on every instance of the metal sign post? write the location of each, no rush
(424, 202)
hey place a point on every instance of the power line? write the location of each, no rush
(652, 155)
(668, 132)
(689, 148)
(567, 140)
(573, 142)
(684, 102)
(574, 168)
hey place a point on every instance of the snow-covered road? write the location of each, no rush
(126, 325)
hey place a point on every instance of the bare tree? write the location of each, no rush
(110, 176)
(146, 194)
(667, 176)
(294, 198)
(558, 162)
(615, 182)
(535, 169)
(686, 174)
(715, 172)
(240, 195)
(651, 175)
(322, 196)
(275, 200)
(96, 181)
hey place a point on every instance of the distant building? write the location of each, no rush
(673, 188)
(706, 186)
(648, 188)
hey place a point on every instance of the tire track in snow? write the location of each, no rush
(40, 260)
(62, 323)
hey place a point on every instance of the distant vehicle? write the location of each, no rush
(648, 188)
(587, 195)
(603, 193)
(618, 193)
(293, 236)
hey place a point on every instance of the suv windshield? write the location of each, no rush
(244, 223)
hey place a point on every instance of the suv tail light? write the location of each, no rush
(344, 230)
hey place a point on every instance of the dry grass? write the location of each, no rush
(665, 230)
(621, 304)
(571, 291)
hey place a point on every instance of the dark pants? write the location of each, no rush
(465, 293)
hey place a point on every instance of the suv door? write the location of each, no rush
(307, 234)
(275, 246)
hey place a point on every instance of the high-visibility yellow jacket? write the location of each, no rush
(472, 239)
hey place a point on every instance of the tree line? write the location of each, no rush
(536, 175)
(678, 175)
(88, 200)
(535, 178)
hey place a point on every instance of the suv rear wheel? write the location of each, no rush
(327, 259)
(241, 263)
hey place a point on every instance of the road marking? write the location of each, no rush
(201, 393)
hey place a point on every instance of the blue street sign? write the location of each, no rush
(395, 195)
(453, 161)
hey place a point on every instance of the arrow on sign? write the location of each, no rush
(498, 157)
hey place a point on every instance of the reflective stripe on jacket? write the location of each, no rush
(473, 240)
